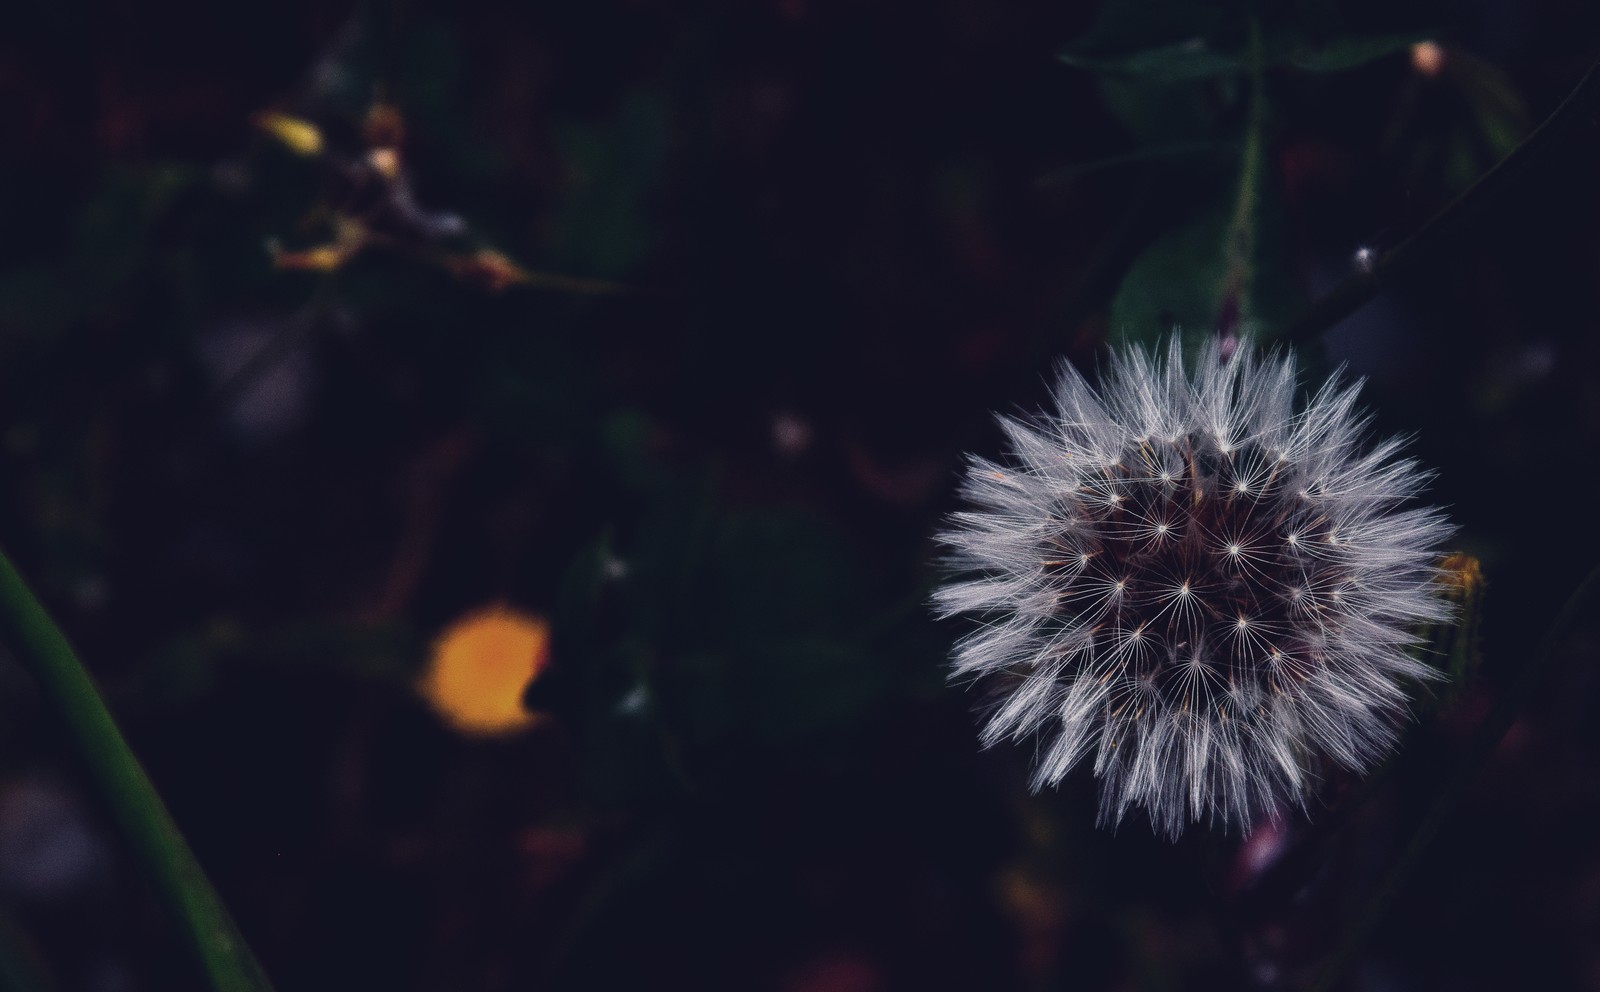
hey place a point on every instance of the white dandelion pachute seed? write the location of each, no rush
(1203, 592)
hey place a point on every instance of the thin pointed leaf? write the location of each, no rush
(136, 807)
(1348, 53)
(1184, 60)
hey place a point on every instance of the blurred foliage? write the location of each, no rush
(1180, 78)
(669, 325)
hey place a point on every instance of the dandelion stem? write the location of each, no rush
(1453, 788)
(1238, 283)
(137, 809)
(1444, 230)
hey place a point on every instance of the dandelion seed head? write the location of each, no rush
(1187, 583)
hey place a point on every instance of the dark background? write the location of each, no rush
(797, 251)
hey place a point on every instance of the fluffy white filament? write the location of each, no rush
(1186, 582)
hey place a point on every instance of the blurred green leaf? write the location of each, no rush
(600, 226)
(1135, 25)
(1177, 283)
(1166, 151)
(1498, 108)
(1182, 113)
(189, 666)
(1197, 59)
(1184, 60)
(735, 629)
(780, 572)
(811, 688)
(1346, 53)
(107, 254)
(1174, 284)
(583, 584)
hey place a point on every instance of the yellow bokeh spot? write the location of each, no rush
(297, 134)
(480, 668)
(385, 162)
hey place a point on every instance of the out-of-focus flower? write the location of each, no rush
(1205, 591)
(1461, 575)
(481, 666)
(1456, 647)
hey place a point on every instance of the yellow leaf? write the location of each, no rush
(349, 237)
(491, 269)
(322, 259)
(296, 133)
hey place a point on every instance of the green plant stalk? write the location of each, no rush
(1238, 283)
(135, 806)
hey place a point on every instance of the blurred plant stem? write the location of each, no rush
(1453, 788)
(1447, 227)
(135, 806)
(1238, 281)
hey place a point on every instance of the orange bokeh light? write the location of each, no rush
(1428, 58)
(481, 666)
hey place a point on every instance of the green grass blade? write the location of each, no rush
(136, 808)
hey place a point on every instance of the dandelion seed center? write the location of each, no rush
(1259, 589)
